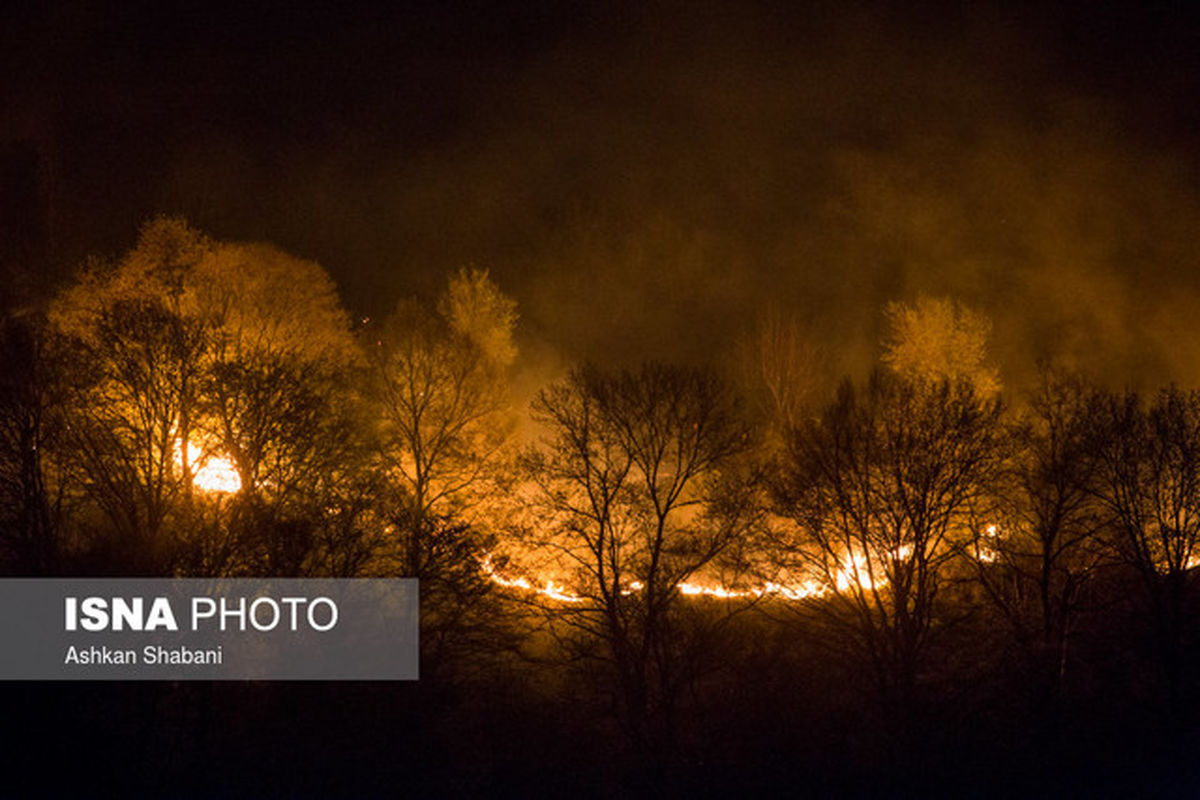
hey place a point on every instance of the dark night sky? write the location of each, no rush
(643, 177)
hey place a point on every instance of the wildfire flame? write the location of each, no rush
(853, 573)
(210, 472)
(986, 552)
(547, 588)
(555, 591)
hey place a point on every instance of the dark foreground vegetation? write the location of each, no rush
(649, 580)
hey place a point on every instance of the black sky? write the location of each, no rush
(645, 177)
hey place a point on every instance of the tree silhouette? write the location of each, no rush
(1039, 546)
(33, 486)
(781, 372)
(439, 380)
(628, 483)
(139, 355)
(1149, 483)
(881, 488)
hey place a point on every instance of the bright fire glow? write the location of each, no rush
(210, 472)
(547, 588)
(987, 553)
(852, 574)
(555, 591)
(769, 589)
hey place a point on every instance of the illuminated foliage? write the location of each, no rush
(478, 312)
(939, 339)
(279, 399)
(263, 303)
(139, 356)
(440, 380)
(195, 353)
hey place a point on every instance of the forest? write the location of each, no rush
(759, 574)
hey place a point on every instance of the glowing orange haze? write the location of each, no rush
(213, 473)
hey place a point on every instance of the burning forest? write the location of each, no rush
(780, 401)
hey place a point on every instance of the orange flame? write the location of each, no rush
(853, 573)
(210, 472)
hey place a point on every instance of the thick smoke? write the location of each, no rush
(647, 181)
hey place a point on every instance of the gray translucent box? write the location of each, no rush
(208, 629)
